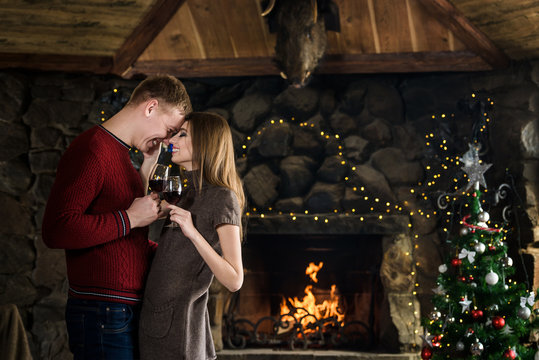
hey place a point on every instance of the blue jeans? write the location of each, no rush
(102, 330)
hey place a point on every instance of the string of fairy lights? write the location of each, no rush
(423, 190)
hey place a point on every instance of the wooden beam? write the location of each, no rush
(147, 29)
(336, 64)
(54, 62)
(471, 36)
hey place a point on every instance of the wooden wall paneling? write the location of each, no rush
(356, 36)
(245, 30)
(178, 40)
(393, 26)
(208, 15)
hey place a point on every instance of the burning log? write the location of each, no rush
(301, 27)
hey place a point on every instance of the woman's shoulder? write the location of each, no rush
(220, 193)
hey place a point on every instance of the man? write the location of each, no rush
(98, 212)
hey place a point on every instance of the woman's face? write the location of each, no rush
(182, 149)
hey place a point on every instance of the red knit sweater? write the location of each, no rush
(85, 215)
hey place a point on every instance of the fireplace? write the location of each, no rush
(361, 261)
(280, 305)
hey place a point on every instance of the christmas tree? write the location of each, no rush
(479, 311)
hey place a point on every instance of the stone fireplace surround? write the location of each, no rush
(289, 167)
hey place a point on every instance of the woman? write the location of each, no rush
(174, 320)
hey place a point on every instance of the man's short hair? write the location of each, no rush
(164, 88)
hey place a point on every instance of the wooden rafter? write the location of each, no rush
(150, 26)
(54, 62)
(466, 32)
(336, 64)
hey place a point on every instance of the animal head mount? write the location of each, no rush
(301, 27)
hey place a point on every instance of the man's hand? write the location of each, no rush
(144, 211)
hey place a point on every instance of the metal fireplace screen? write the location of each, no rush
(307, 292)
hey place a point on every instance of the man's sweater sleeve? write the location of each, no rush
(66, 223)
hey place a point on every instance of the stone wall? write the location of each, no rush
(318, 151)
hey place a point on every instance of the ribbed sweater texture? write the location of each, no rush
(86, 215)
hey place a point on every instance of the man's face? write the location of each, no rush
(162, 123)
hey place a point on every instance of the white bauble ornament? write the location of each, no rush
(507, 261)
(474, 285)
(476, 348)
(492, 278)
(483, 217)
(464, 231)
(442, 268)
(480, 248)
(524, 313)
(435, 315)
(460, 346)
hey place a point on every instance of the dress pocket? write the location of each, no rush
(155, 321)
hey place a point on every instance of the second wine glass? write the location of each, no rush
(172, 192)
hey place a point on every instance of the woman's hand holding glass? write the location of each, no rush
(182, 218)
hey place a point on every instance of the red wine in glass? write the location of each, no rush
(157, 185)
(158, 176)
(172, 197)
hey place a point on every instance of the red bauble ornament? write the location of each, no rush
(492, 247)
(498, 322)
(470, 278)
(456, 262)
(462, 278)
(509, 354)
(426, 353)
(477, 314)
(436, 341)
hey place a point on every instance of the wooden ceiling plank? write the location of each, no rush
(332, 64)
(374, 23)
(430, 34)
(511, 24)
(470, 35)
(147, 29)
(179, 39)
(56, 28)
(392, 26)
(411, 26)
(244, 29)
(356, 36)
(67, 63)
(208, 18)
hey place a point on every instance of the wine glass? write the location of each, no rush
(172, 192)
(158, 176)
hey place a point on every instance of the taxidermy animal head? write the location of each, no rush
(301, 27)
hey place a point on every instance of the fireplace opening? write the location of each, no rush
(281, 306)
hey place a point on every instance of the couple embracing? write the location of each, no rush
(130, 297)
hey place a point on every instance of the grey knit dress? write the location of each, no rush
(174, 320)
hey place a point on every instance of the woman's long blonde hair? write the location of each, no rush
(213, 152)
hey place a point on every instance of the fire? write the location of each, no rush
(312, 270)
(308, 305)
